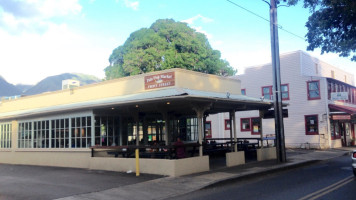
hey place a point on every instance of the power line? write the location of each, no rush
(267, 20)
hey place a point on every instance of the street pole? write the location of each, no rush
(277, 97)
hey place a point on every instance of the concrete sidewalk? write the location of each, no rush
(164, 188)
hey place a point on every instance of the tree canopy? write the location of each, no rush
(331, 26)
(166, 44)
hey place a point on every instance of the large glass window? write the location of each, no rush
(313, 90)
(41, 134)
(106, 131)
(5, 135)
(25, 135)
(311, 125)
(55, 133)
(81, 132)
(192, 129)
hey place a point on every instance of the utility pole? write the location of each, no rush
(277, 95)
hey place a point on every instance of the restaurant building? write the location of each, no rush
(62, 128)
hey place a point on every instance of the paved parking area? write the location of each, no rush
(35, 182)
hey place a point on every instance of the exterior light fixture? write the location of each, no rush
(136, 106)
(112, 108)
(168, 103)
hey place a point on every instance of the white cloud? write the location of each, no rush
(30, 57)
(34, 15)
(200, 30)
(191, 22)
(130, 4)
(197, 17)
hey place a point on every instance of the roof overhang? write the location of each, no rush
(342, 108)
(178, 100)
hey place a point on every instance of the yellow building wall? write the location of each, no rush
(120, 87)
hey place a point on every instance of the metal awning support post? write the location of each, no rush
(233, 126)
(166, 125)
(200, 109)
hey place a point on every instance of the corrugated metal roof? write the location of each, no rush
(135, 98)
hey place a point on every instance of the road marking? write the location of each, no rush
(328, 189)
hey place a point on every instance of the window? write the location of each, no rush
(25, 135)
(267, 92)
(313, 90)
(332, 74)
(55, 133)
(256, 124)
(207, 127)
(243, 91)
(41, 134)
(311, 125)
(227, 124)
(5, 135)
(245, 124)
(335, 130)
(285, 91)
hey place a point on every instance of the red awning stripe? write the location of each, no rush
(346, 109)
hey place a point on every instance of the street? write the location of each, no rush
(36, 182)
(331, 179)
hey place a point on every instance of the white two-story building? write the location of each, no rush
(321, 98)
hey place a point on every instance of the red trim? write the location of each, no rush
(315, 98)
(346, 109)
(246, 129)
(253, 133)
(287, 91)
(335, 137)
(270, 91)
(244, 91)
(316, 132)
(227, 124)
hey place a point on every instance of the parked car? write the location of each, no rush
(353, 156)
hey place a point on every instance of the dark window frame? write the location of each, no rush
(227, 122)
(249, 122)
(251, 126)
(316, 121)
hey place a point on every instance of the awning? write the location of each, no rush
(342, 108)
(221, 102)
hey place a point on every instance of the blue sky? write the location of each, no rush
(41, 38)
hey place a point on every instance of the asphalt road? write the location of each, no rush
(20, 182)
(331, 179)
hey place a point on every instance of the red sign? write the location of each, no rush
(340, 117)
(159, 80)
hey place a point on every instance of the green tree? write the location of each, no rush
(166, 44)
(331, 26)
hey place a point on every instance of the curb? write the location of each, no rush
(260, 173)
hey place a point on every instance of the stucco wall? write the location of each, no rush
(119, 87)
(83, 159)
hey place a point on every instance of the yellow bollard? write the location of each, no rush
(137, 162)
